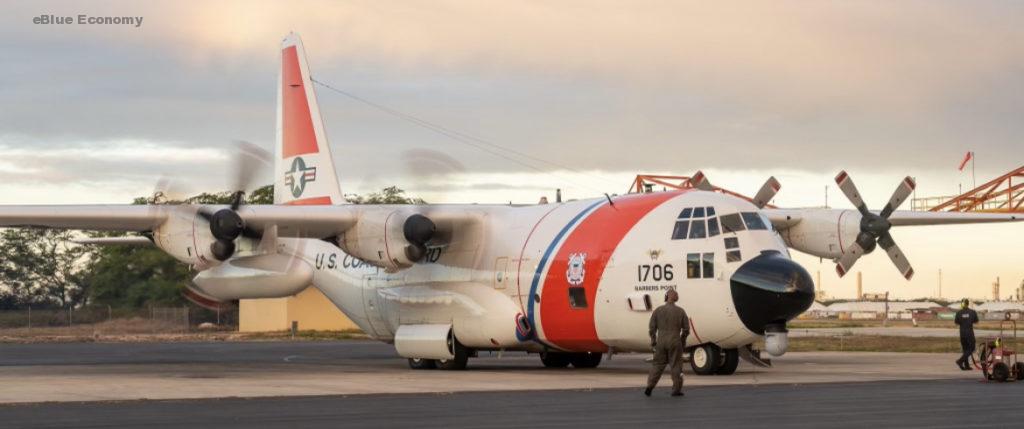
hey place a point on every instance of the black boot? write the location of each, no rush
(647, 391)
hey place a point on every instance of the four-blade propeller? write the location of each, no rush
(225, 224)
(874, 228)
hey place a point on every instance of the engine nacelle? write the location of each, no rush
(261, 276)
(388, 238)
(823, 233)
(186, 236)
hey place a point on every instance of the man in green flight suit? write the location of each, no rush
(669, 328)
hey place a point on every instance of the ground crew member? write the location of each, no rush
(669, 328)
(966, 318)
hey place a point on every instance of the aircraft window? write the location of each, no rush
(577, 297)
(685, 214)
(711, 211)
(709, 265)
(698, 212)
(767, 222)
(731, 223)
(732, 243)
(679, 233)
(733, 256)
(753, 221)
(697, 229)
(712, 227)
(693, 265)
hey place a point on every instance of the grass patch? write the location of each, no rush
(876, 343)
(833, 323)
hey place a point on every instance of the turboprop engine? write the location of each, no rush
(823, 233)
(186, 236)
(392, 241)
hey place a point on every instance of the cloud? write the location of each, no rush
(609, 86)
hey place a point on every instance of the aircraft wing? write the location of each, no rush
(783, 219)
(912, 218)
(136, 218)
(291, 221)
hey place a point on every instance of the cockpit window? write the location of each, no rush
(732, 223)
(712, 227)
(692, 223)
(697, 229)
(679, 233)
(754, 222)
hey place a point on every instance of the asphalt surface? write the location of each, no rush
(365, 384)
(236, 353)
(931, 404)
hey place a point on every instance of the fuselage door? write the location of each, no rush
(372, 307)
(501, 274)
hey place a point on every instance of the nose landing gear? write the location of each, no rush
(709, 359)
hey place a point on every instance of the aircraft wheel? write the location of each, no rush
(585, 360)
(417, 363)
(555, 359)
(460, 360)
(1000, 371)
(730, 360)
(1019, 366)
(705, 359)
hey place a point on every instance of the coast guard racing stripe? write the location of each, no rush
(572, 327)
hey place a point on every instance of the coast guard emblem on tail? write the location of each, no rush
(574, 274)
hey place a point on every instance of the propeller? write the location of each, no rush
(418, 230)
(874, 228)
(767, 192)
(430, 169)
(226, 224)
(764, 195)
(700, 181)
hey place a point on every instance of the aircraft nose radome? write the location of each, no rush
(770, 288)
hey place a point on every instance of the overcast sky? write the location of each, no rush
(600, 90)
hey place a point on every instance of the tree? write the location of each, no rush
(262, 195)
(389, 195)
(43, 267)
(125, 276)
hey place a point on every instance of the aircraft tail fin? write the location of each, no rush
(303, 167)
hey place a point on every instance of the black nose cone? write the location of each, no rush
(770, 288)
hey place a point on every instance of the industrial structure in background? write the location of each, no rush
(1004, 194)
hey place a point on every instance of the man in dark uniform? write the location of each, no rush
(669, 328)
(966, 318)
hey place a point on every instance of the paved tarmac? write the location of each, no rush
(909, 404)
(73, 372)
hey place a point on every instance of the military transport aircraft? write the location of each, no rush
(570, 281)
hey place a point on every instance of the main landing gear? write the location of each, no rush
(709, 359)
(456, 363)
(577, 360)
